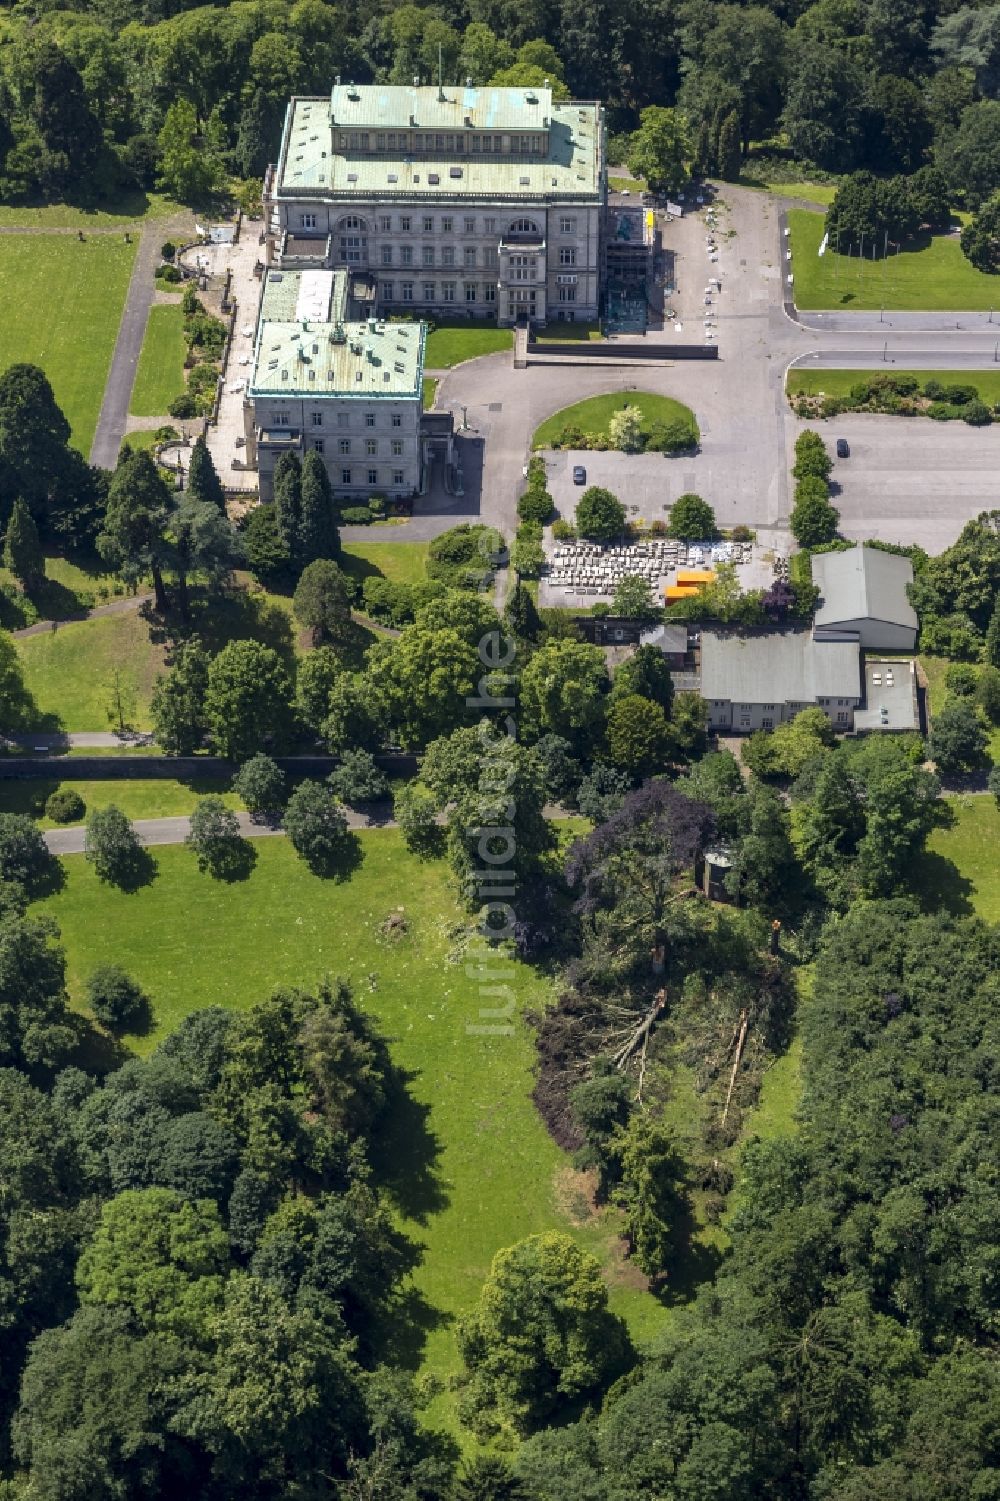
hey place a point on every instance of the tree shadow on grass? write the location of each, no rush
(940, 885)
(234, 862)
(341, 863)
(691, 1263)
(217, 619)
(404, 1152)
(402, 1333)
(132, 872)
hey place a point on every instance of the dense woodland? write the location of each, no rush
(98, 98)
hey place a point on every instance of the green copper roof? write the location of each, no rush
(311, 167)
(320, 355)
(390, 107)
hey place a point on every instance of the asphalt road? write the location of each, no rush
(128, 346)
(174, 831)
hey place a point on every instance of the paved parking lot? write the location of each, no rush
(911, 479)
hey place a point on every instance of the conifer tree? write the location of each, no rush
(319, 537)
(730, 154)
(993, 636)
(203, 482)
(288, 505)
(22, 551)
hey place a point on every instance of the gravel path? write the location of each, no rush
(115, 607)
(174, 830)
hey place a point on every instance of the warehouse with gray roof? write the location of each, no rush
(756, 681)
(863, 595)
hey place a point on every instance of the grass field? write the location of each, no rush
(63, 302)
(449, 345)
(839, 382)
(627, 184)
(399, 562)
(67, 671)
(131, 208)
(594, 414)
(160, 375)
(159, 797)
(141, 437)
(961, 870)
(810, 192)
(429, 391)
(933, 275)
(469, 1162)
(571, 333)
(68, 591)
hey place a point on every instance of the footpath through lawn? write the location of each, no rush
(63, 300)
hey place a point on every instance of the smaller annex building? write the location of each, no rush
(754, 682)
(863, 595)
(350, 390)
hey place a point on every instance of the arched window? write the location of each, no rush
(524, 227)
(353, 222)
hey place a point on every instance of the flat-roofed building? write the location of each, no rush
(454, 201)
(754, 682)
(349, 390)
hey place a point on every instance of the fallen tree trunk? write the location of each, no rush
(641, 1032)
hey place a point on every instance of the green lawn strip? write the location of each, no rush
(804, 380)
(68, 591)
(932, 274)
(811, 192)
(960, 869)
(450, 344)
(160, 375)
(145, 437)
(159, 797)
(63, 302)
(627, 184)
(496, 1175)
(594, 414)
(66, 671)
(399, 562)
(430, 385)
(131, 208)
(571, 333)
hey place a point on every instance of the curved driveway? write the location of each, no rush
(748, 430)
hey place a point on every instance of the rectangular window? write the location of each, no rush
(491, 257)
(567, 256)
(387, 255)
(567, 226)
(446, 225)
(343, 445)
(404, 223)
(317, 419)
(345, 476)
(448, 255)
(407, 291)
(490, 292)
(448, 291)
(745, 722)
(397, 420)
(387, 291)
(369, 419)
(567, 294)
(406, 254)
(428, 255)
(318, 445)
(385, 224)
(428, 291)
(767, 724)
(373, 476)
(769, 706)
(470, 255)
(428, 225)
(371, 447)
(397, 477)
(490, 225)
(470, 291)
(380, 140)
(308, 221)
(281, 419)
(843, 718)
(470, 226)
(397, 448)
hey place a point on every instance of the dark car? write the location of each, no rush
(843, 451)
(579, 474)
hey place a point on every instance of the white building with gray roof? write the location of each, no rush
(478, 202)
(863, 595)
(754, 682)
(348, 390)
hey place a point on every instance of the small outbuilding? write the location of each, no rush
(863, 597)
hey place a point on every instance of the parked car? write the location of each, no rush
(843, 449)
(579, 474)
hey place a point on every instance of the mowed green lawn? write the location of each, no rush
(470, 1164)
(839, 382)
(399, 562)
(129, 208)
(62, 301)
(160, 376)
(157, 797)
(67, 671)
(449, 345)
(594, 414)
(961, 870)
(936, 277)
